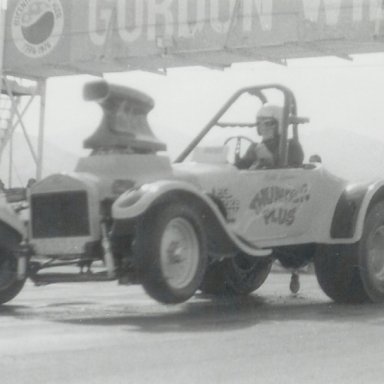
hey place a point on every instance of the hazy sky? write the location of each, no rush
(334, 93)
(337, 95)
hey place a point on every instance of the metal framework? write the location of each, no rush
(15, 101)
(16, 98)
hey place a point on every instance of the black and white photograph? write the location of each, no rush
(191, 191)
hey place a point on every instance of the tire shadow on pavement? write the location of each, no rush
(228, 313)
(12, 310)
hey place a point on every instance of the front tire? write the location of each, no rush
(171, 252)
(238, 275)
(10, 286)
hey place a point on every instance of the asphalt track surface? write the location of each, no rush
(104, 333)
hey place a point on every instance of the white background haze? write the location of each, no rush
(342, 98)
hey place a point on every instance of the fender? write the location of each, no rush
(352, 208)
(347, 210)
(135, 202)
(375, 193)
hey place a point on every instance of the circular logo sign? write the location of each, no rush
(37, 26)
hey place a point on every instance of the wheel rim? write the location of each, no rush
(180, 253)
(375, 259)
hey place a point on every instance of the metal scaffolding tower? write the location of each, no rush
(15, 99)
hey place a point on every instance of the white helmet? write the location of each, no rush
(272, 111)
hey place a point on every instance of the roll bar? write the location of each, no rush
(289, 117)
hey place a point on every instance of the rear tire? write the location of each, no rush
(355, 273)
(170, 252)
(338, 274)
(371, 254)
(238, 275)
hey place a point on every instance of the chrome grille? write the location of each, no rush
(63, 214)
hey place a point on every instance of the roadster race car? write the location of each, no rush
(211, 226)
(200, 222)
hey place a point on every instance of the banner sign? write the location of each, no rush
(54, 37)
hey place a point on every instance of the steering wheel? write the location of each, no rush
(238, 139)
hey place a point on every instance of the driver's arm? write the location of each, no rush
(248, 159)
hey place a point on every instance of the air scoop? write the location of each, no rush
(124, 125)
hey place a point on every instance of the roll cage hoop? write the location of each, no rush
(289, 118)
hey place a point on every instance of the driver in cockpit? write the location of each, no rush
(265, 154)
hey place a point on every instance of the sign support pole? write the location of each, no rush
(2, 35)
(42, 87)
